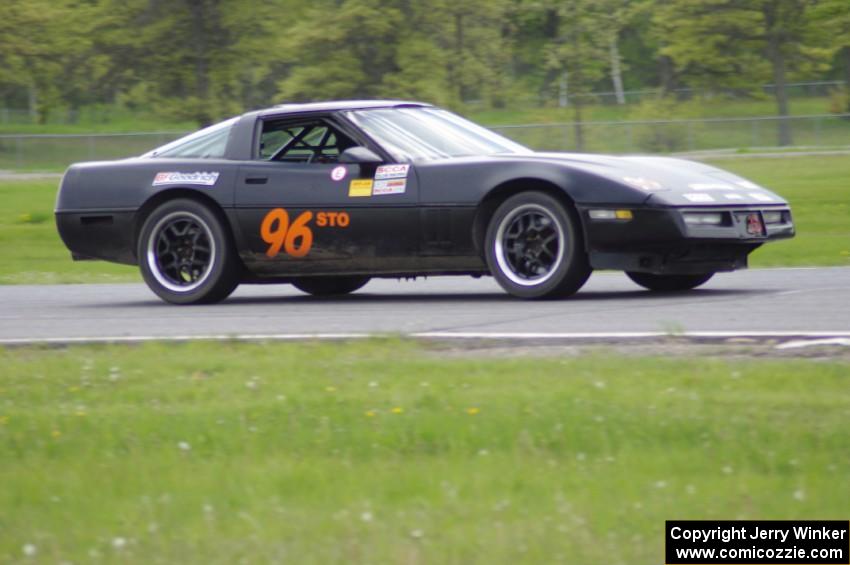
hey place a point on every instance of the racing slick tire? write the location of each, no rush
(186, 254)
(534, 247)
(329, 286)
(669, 283)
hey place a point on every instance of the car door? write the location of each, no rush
(301, 211)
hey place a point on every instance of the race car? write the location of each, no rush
(326, 196)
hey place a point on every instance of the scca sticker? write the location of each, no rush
(385, 172)
(198, 178)
(296, 238)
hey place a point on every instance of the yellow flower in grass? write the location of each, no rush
(55, 434)
(370, 413)
(472, 410)
(397, 410)
(4, 420)
(330, 389)
(80, 413)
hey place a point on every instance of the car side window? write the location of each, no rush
(314, 141)
(209, 143)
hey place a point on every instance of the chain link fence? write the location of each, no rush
(49, 152)
(56, 152)
(672, 136)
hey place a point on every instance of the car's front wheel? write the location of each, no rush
(534, 247)
(329, 286)
(186, 255)
(669, 283)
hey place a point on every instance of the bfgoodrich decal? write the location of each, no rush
(197, 178)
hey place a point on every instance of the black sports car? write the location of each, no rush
(325, 196)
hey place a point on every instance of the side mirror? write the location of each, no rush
(359, 155)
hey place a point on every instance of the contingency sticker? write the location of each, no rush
(198, 178)
(391, 186)
(699, 197)
(761, 197)
(711, 186)
(339, 173)
(644, 184)
(360, 187)
(391, 172)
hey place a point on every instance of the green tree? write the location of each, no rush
(743, 41)
(190, 59)
(44, 52)
(832, 19)
(578, 50)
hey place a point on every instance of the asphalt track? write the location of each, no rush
(766, 302)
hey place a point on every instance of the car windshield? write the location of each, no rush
(208, 143)
(426, 134)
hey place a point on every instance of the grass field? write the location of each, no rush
(381, 452)
(30, 249)
(818, 188)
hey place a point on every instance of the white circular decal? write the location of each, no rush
(339, 173)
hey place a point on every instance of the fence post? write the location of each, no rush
(690, 135)
(818, 124)
(91, 148)
(18, 154)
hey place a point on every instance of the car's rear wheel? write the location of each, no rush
(329, 286)
(186, 254)
(534, 247)
(669, 283)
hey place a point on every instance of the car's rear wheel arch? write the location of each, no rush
(160, 198)
(488, 205)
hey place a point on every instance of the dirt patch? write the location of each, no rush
(749, 348)
(9, 176)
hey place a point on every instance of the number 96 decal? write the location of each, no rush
(296, 238)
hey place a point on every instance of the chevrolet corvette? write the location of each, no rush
(325, 196)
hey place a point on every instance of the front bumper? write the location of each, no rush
(660, 241)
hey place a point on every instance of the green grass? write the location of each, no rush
(719, 107)
(378, 452)
(30, 249)
(115, 120)
(96, 120)
(817, 187)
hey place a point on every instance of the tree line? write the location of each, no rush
(204, 59)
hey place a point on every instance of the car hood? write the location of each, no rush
(669, 181)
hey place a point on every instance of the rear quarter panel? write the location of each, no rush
(127, 185)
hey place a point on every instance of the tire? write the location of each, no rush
(329, 286)
(669, 283)
(534, 247)
(186, 254)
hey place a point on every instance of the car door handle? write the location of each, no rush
(256, 180)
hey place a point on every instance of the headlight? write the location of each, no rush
(704, 219)
(772, 217)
